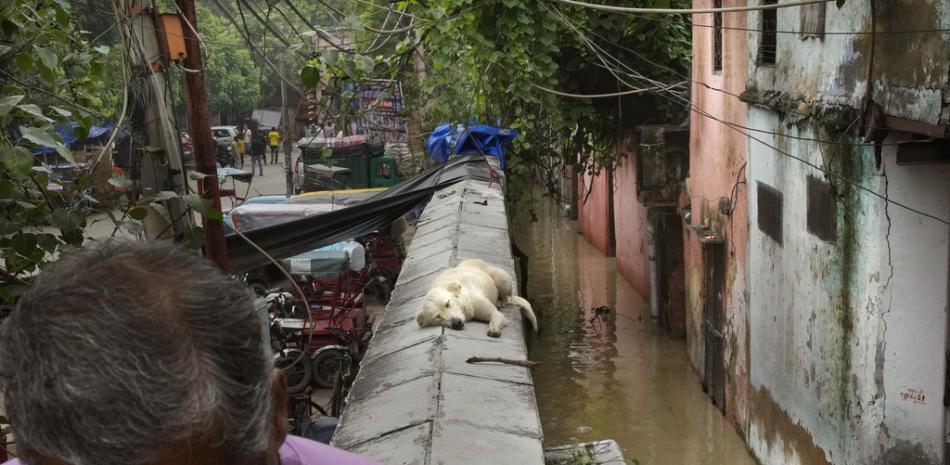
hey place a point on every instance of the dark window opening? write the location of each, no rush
(769, 37)
(812, 21)
(714, 266)
(822, 210)
(770, 211)
(717, 37)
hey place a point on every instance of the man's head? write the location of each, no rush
(139, 353)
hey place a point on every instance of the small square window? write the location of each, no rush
(770, 211)
(812, 21)
(822, 210)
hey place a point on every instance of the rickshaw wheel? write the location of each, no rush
(325, 367)
(298, 375)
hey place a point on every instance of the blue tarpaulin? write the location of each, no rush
(68, 133)
(448, 139)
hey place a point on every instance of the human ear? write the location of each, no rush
(279, 414)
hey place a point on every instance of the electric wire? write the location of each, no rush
(740, 130)
(254, 48)
(708, 86)
(610, 95)
(293, 282)
(692, 11)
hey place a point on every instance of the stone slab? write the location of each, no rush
(396, 408)
(398, 338)
(455, 443)
(460, 347)
(406, 447)
(490, 404)
(415, 399)
(395, 368)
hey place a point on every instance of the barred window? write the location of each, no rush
(770, 211)
(812, 21)
(717, 37)
(767, 44)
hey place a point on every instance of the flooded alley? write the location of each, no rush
(610, 374)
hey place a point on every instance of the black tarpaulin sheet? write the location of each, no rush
(295, 237)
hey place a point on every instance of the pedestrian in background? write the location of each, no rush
(274, 137)
(246, 134)
(238, 147)
(258, 153)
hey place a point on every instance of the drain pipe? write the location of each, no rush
(651, 251)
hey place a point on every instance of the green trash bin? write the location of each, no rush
(383, 171)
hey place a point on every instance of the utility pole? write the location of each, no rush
(161, 162)
(287, 141)
(215, 247)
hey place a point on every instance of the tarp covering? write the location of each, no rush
(298, 236)
(447, 140)
(68, 133)
(329, 260)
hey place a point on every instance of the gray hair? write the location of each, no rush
(121, 349)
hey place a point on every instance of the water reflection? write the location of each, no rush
(611, 374)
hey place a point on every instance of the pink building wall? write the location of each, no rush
(717, 168)
(630, 228)
(594, 210)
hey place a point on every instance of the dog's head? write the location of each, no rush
(441, 307)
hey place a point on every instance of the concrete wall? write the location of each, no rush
(717, 171)
(847, 338)
(910, 70)
(594, 210)
(630, 228)
(416, 400)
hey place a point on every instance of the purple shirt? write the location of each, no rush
(300, 451)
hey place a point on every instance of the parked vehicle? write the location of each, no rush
(187, 150)
(224, 154)
(224, 134)
(352, 162)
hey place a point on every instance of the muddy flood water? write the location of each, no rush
(616, 376)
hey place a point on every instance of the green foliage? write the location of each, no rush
(486, 61)
(233, 78)
(52, 74)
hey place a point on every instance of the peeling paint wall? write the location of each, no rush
(847, 336)
(594, 210)
(717, 171)
(911, 71)
(846, 353)
(630, 230)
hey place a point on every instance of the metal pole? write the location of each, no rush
(215, 247)
(287, 139)
(161, 163)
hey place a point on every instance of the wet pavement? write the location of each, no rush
(613, 375)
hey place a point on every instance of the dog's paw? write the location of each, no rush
(494, 332)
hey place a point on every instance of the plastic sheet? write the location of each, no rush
(286, 239)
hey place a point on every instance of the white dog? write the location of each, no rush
(470, 291)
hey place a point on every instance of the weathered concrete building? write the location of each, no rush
(716, 212)
(813, 225)
(631, 213)
(847, 289)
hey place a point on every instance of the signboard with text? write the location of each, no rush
(380, 107)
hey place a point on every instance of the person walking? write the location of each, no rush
(274, 138)
(258, 154)
(238, 148)
(246, 134)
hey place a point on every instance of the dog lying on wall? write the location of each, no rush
(470, 291)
